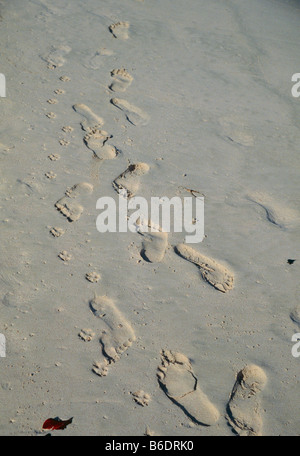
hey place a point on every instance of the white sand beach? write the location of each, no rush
(130, 333)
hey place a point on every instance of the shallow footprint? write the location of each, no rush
(120, 30)
(276, 213)
(129, 180)
(96, 60)
(83, 188)
(92, 122)
(121, 80)
(70, 208)
(56, 57)
(243, 410)
(134, 115)
(214, 273)
(178, 381)
(119, 336)
(154, 245)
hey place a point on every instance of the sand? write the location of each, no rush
(199, 93)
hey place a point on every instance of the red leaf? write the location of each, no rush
(56, 424)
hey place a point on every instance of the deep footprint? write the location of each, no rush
(244, 409)
(134, 115)
(178, 381)
(119, 336)
(97, 142)
(214, 273)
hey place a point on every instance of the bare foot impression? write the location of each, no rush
(276, 213)
(91, 121)
(244, 409)
(96, 60)
(129, 180)
(56, 57)
(70, 208)
(134, 115)
(120, 30)
(154, 244)
(83, 188)
(121, 80)
(118, 337)
(97, 142)
(214, 273)
(178, 381)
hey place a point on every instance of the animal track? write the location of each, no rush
(129, 180)
(67, 129)
(86, 334)
(57, 232)
(178, 381)
(141, 397)
(65, 79)
(65, 256)
(54, 157)
(119, 335)
(92, 122)
(92, 277)
(214, 273)
(244, 409)
(120, 30)
(51, 115)
(134, 115)
(64, 142)
(50, 175)
(121, 80)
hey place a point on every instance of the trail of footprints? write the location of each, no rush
(175, 373)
